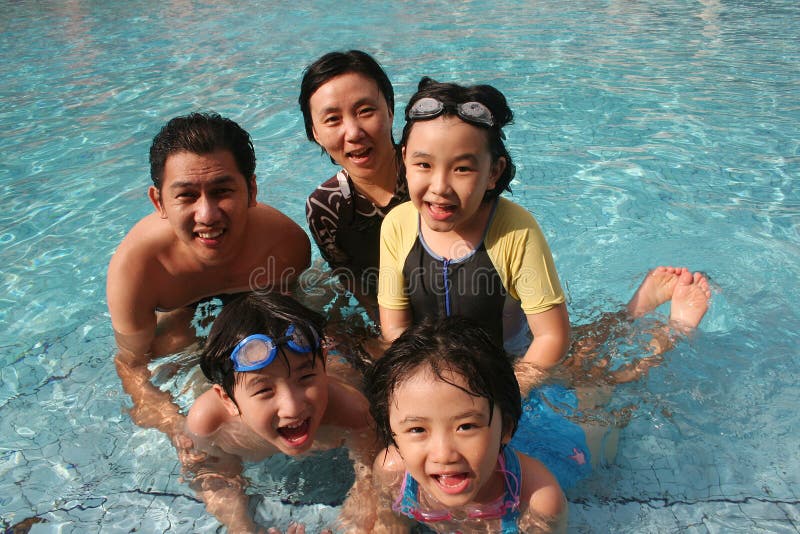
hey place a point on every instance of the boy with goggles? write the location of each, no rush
(270, 393)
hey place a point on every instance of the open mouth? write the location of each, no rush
(452, 483)
(359, 155)
(440, 212)
(296, 434)
(210, 236)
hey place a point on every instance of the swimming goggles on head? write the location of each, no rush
(258, 350)
(429, 108)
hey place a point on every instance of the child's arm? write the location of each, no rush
(393, 323)
(529, 376)
(348, 412)
(226, 500)
(542, 503)
(358, 510)
(394, 308)
(388, 471)
(216, 478)
(214, 473)
(550, 331)
(525, 258)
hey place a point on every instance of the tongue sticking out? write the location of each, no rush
(295, 435)
(439, 212)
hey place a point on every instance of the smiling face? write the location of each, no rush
(205, 198)
(449, 169)
(283, 406)
(353, 124)
(446, 439)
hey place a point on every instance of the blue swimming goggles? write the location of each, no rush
(258, 350)
(429, 108)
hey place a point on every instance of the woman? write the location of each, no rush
(348, 107)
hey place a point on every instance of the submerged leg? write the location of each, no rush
(656, 289)
(689, 294)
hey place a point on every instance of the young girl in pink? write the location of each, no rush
(446, 403)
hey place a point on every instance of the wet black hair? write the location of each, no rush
(451, 95)
(255, 313)
(335, 64)
(454, 344)
(202, 133)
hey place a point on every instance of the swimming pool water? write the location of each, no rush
(655, 132)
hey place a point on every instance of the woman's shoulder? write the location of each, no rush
(329, 185)
(326, 195)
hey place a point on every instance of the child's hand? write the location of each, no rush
(187, 454)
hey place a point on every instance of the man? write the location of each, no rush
(208, 236)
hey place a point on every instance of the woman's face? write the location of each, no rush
(353, 124)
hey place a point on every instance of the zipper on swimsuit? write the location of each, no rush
(445, 272)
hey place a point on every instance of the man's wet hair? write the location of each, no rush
(202, 133)
(446, 345)
(255, 313)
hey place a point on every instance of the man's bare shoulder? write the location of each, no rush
(280, 238)
(267, 218)
(149, 238)
(135, 273)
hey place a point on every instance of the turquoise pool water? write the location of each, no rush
(654, 132)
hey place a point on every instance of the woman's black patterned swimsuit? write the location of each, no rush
(346, 227)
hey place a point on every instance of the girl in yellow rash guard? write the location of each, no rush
(457, 248)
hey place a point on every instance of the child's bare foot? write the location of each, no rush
(689, 301)
(655, 290)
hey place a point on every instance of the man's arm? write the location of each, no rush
(131, 303)
(285, 252)
(299, 256)
(132, 284)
